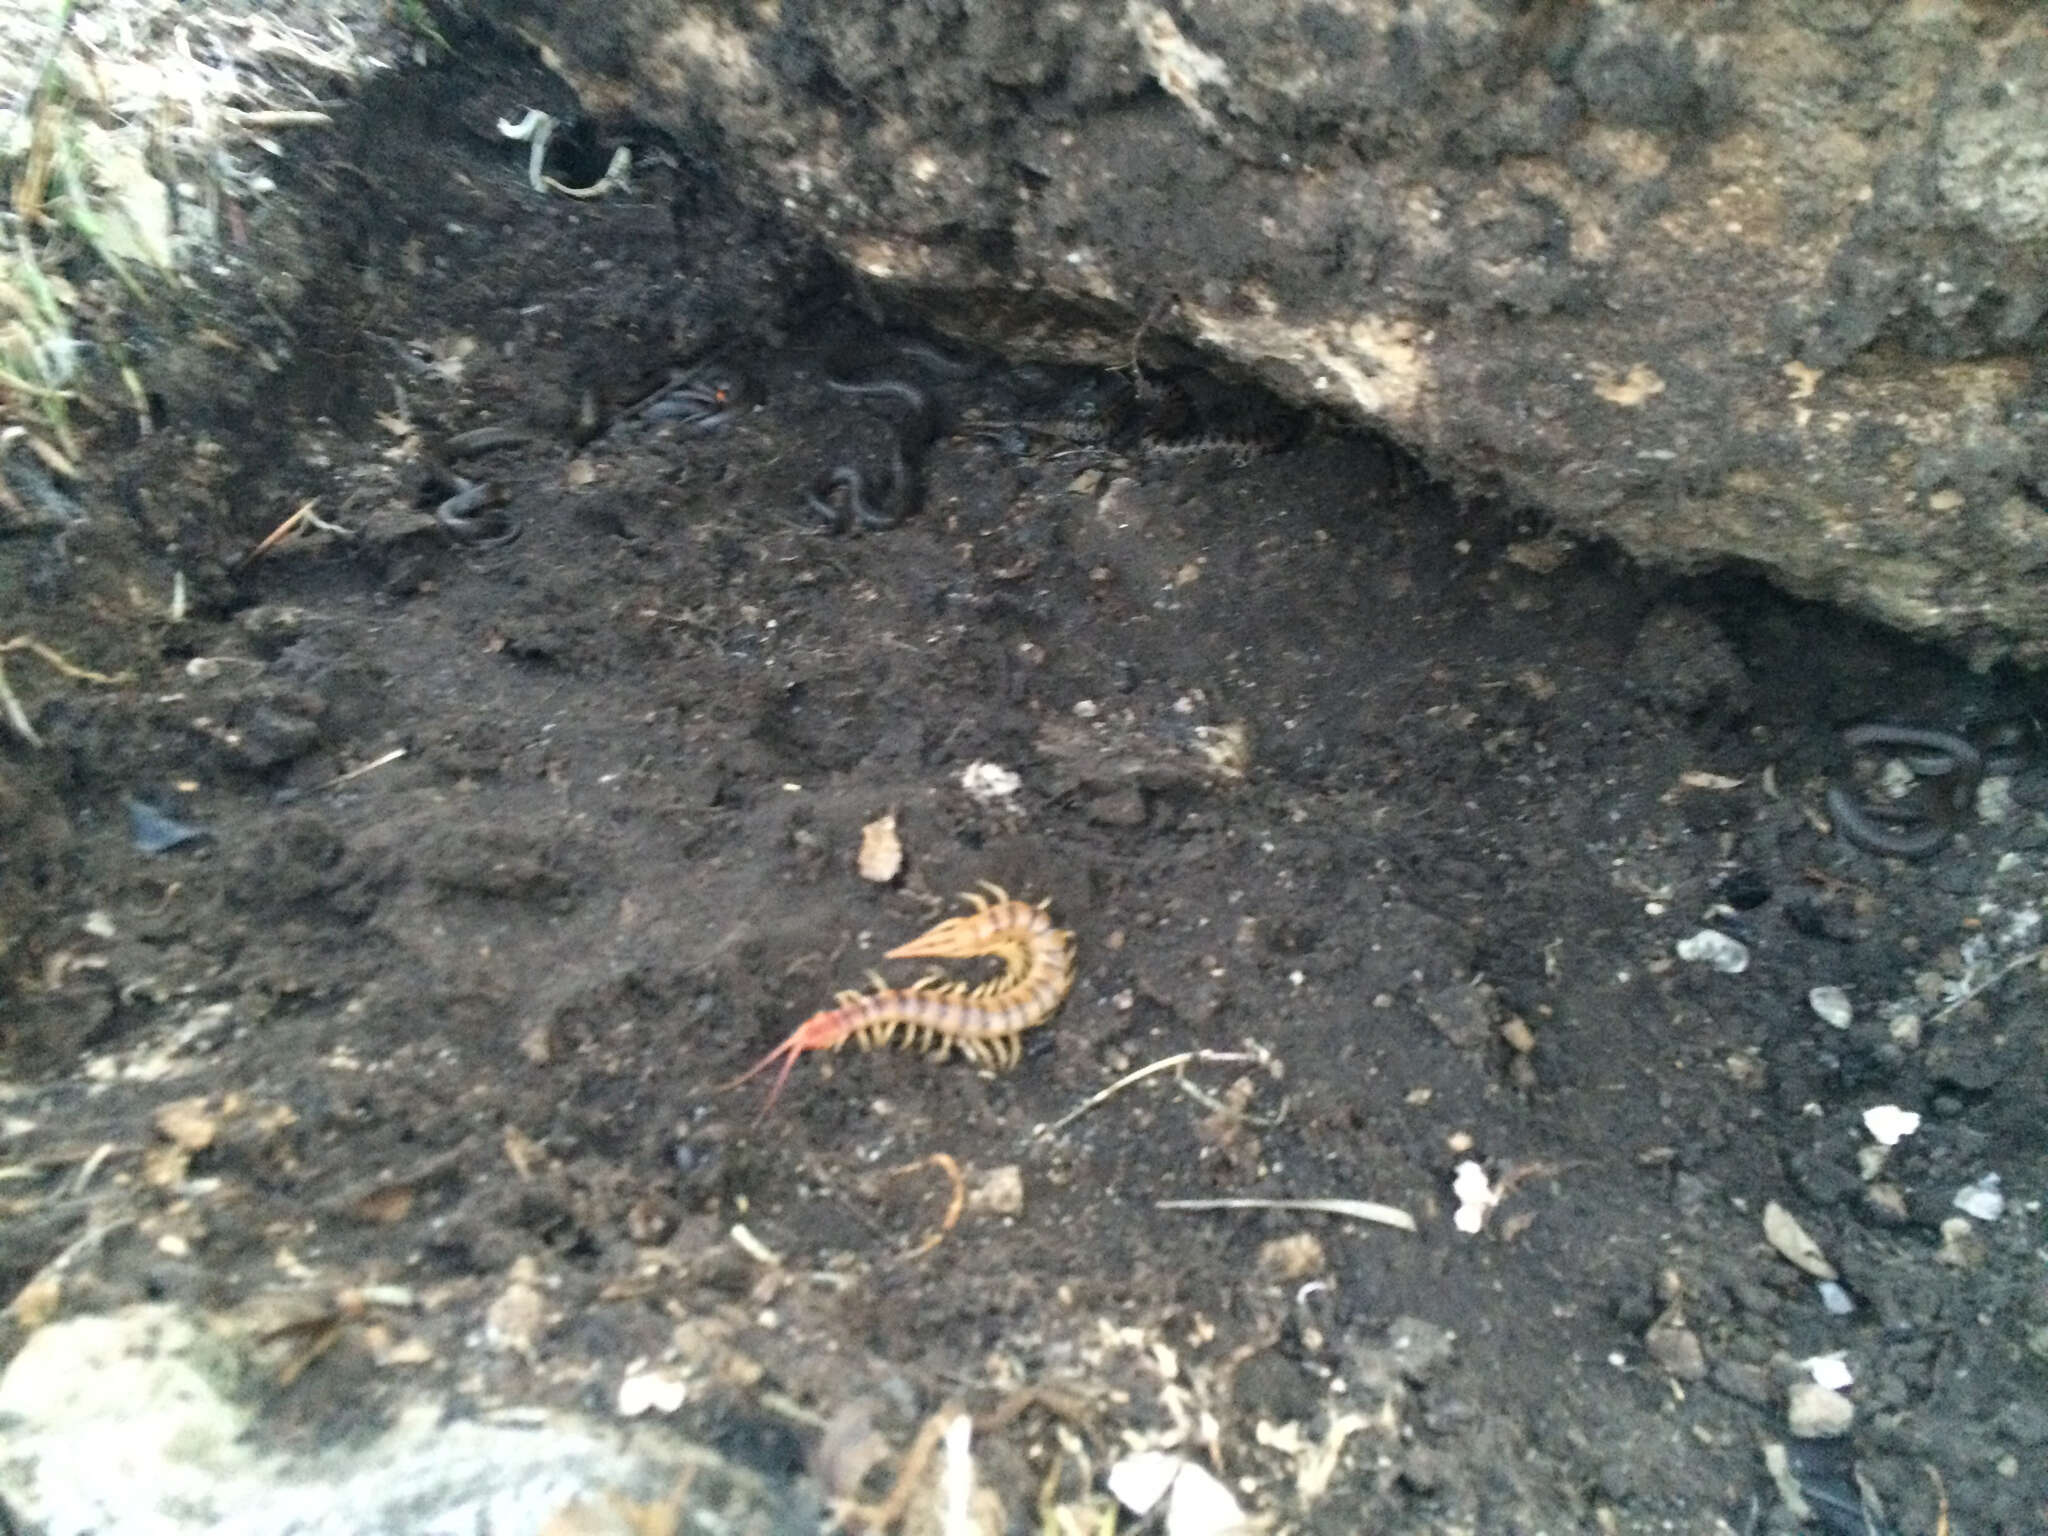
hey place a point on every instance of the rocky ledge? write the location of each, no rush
(1757, 283)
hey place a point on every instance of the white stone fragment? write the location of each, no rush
(1830, 1371)
(649, 1391)
(1889, 1125)
(1833, 1006)
(1196, 1503)
(1983, 1200)
(1712, 947)
(1140, 1481)
(989, 783)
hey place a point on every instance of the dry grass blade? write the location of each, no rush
(1358, 1210)
(10, 705)
(1130, 1079)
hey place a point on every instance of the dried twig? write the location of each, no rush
(954, 1205)
(1152, 1069)
(1971, 994)
(896, 1503)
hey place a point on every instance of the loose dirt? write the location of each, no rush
(1394, 803)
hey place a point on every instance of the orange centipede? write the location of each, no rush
(985, 1023)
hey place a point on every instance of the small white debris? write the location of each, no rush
(1960, 1248)
(514, 1320)
(98, 924)
(1196, 1503)
(1889, 1125)
(649, 1391)
(999, 1192)
(1833, 1006)
(1783, 1232)
(523, 130)
(1476, 1196)
(956, 1478)
(1694, 778)
(989, 783)
(1140, 1481)
(1815, 1412)
(1711, 946)
(1837, 1302)
(1983, 1200)
(744, 1240)
(1994, 799)
(881, 851)
(1830, 1371)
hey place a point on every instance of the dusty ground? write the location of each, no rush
(454, 1022)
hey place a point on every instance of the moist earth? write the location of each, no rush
(521, 832)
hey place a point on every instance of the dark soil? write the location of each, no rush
(456, 1020)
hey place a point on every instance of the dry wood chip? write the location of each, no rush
(1783, 1232)
(187, 1124)
(881, 851)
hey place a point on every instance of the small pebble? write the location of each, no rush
(1676, 1348)
(1712, 947)
(1833, 1006)
(154, 832)
(1838, 1301)
(1983, 1199)
(1814, 1412)
(1889, 1125)
(1961, 1248)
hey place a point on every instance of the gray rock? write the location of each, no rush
(1719, 283)
(1676, 1348)
(132, 1423)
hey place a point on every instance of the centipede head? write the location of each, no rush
(820, 1031)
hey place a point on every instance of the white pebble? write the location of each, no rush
(1889, 1125)
(1833, 1006)
(1830, 1371)
(1983, 1200)
(1729, 956)
(1812, 1412)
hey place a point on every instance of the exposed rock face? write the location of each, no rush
(1760, 281)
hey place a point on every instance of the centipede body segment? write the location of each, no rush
(984, 1023)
